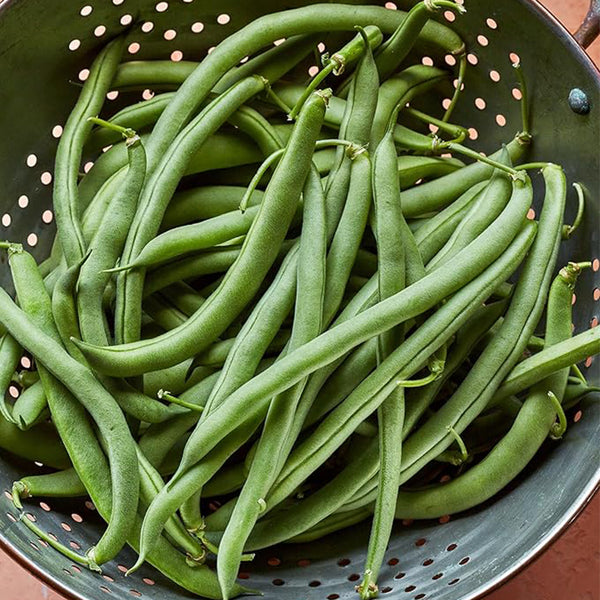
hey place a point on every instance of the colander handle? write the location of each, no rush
(590, 28)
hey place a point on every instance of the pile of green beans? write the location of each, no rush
(290, 297)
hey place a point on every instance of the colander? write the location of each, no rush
(45, 48)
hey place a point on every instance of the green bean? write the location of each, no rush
(291, 51)
(255, 259)
(138, 405)
(205, 203)
(575, 392)
(10, 355)
(258, 331)
(26, 378)
(370, 36)
(64, 309)
(186, 239)
(531, 427)
(348, 234)
(108, 242)
(548, 361)
(207, 263)
(274, 443)
(413, 168)
(331, 524)
(357, 366)
(391, 279)
(183, 297)
(60, 484)
(340, 339)
(488, 205)
(176, 378)
(162, 312)
(228, 480)
(30, 407)
(59, 373)
(70, 148)
(40, 444)
(160, 73)
(99, 205)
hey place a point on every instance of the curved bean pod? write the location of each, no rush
(70, 148)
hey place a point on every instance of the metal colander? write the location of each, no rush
(45, 47)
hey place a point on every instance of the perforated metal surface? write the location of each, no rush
(45, 47)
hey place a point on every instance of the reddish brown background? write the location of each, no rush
(569, 570)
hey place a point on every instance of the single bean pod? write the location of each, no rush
(70, 148)
(189, 268)
(205, 202)
(348, 234)
(30, 407)
(191, 238)
(518, 447)
(10, 355)
(40, 444)
(61, 484)
(548, 361)
(64, 309)
(391, 276)
(108, 242)
(413, 168)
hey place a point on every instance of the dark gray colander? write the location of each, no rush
(44, 47)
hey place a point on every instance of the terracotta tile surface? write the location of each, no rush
(569, 570)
